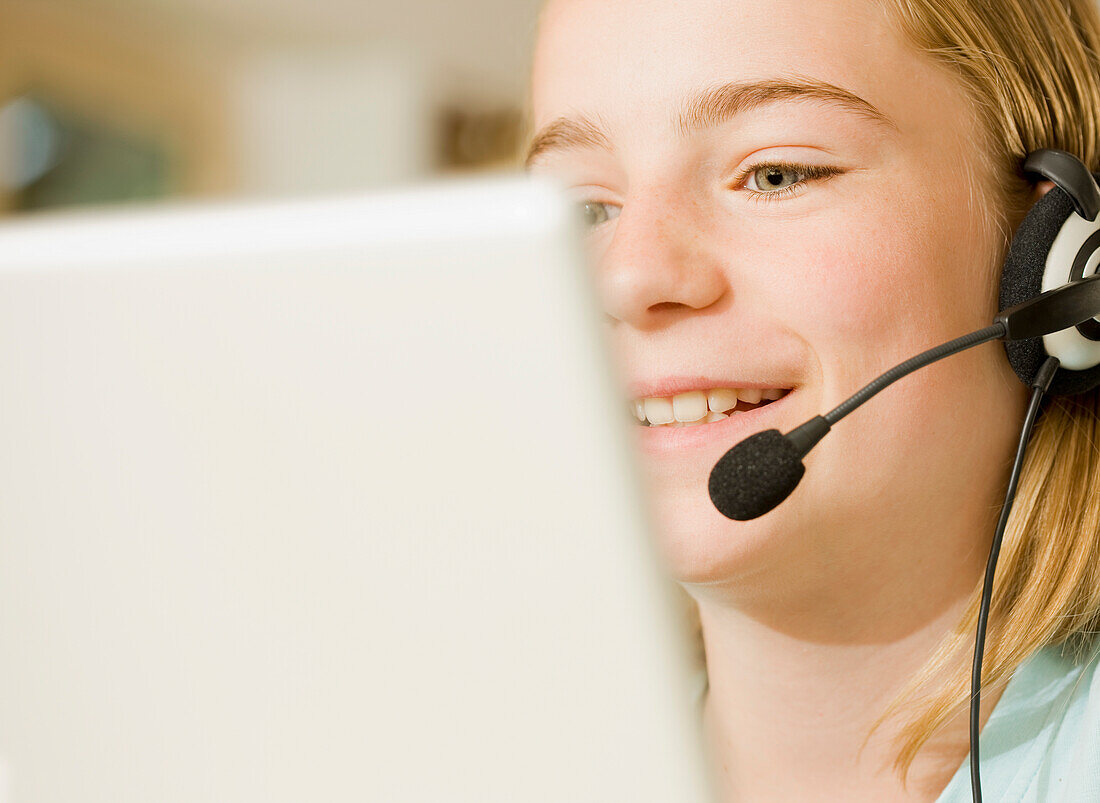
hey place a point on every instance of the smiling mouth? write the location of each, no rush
(698, 407)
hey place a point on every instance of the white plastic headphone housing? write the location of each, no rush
(1075, 351)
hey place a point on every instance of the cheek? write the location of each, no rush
(862, 283)
(861, 279)
(866, 291)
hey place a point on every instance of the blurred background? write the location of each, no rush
(115, 101)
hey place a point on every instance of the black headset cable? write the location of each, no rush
(1039, 386)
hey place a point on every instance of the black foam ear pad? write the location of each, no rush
(1022, 279)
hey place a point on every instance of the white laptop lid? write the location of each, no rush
(325, 500)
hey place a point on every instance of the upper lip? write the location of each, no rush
(672, 385)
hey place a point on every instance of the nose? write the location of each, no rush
(658, 266)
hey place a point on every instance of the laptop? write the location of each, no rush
(326, 499)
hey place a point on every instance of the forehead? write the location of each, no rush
(630, 63)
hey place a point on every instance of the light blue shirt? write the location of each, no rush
(1041, 744)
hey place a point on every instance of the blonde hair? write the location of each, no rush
(1032, 70)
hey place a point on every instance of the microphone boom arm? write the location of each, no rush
(1048, 312)
(993, 332)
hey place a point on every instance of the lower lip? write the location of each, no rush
(666, 440)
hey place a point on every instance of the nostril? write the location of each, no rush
(666, 305)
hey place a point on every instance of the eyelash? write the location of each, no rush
(809, 173)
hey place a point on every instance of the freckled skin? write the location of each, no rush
(853, 275)
(826, 287)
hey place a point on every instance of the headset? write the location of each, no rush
(1050, 322)
(1056, 244)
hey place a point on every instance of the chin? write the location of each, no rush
(698, 545)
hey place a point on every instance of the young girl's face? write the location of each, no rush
(786, 197)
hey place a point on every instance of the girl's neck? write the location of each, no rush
(786, 718)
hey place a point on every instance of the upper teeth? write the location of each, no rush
(699, 406)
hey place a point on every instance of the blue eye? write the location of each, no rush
(775, 177)
(771, 181)
(596, 213)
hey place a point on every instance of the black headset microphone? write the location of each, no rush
(1050, 322)
(761, 471)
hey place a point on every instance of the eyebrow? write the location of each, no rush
(706, 109)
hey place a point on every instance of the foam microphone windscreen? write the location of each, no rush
(755, 475)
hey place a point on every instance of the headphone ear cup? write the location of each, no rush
(1042, 254)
